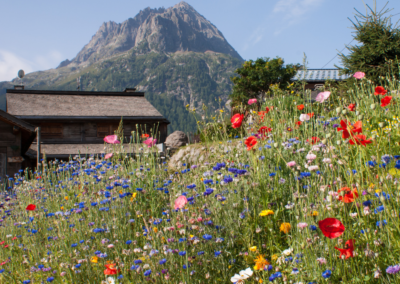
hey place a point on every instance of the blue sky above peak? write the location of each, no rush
(38, 35)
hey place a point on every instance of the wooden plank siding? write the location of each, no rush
(89, 132)
(10, 147)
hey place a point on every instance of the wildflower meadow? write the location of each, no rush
(307, 192)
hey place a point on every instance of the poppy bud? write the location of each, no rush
(344, 112)
(381, 124)
(373, 106)
(328, 135)
(373, 136)
(338, 110)
(323, 141)
(360, 117)
(357, 112)
(338, 142)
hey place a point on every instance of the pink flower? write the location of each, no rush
(321, 97)
(291, 164)
(304, 117)
(180, 202)
(311, 157)
(110, 246)
(312, 168)
(108, 156)
(359, 75)
(321, 260)
(302, 225)
(111, 139)
(150, 142)
(252, 101)
(199, 219)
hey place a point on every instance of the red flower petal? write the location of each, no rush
(331, 227)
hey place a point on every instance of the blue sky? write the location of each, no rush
(38, 35)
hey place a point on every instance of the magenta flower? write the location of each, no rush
(252, 101)
(108, 156)
(150, 142)
(111, 139)
(359, 75)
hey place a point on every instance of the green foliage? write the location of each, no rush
(379, 50)
(256, 77)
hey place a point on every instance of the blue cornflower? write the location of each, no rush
(326, 274)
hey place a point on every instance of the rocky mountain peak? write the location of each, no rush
(178, 28)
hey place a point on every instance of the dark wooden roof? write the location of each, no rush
(30, 104)
(6, 117)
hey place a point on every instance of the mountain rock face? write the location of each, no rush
(179, 28)
(175, 55)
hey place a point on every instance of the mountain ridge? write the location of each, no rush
(175, 55)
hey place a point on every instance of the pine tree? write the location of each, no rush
(379, 50)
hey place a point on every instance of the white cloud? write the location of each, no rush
(10, 63)
(294, 10)
(255, 37)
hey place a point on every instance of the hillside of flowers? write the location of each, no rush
(311, 195)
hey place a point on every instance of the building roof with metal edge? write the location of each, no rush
(6, 117)
(31, 104)
(319, 75)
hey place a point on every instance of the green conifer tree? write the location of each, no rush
(379, 50)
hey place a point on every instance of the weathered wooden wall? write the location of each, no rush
(10, 150)
(94, 131)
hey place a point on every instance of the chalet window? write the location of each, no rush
(51, 130)
(104, 129)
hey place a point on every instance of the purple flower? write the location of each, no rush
(335, 125)
(393, 269)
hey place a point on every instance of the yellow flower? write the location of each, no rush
(120, 192)
(378, 191)
(66, 197)
(221, 110)
(94, 259)
(155, 229)
(314, 213)
(266, 213)
(62, 208)
(261, 262)
(133, 196)
(253, 249)
(285, 227)
(187, 105)
(274, 257)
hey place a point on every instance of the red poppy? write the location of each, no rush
(360, 140)
(298, 123)
(266, 109)
(349, 195)
(385, 101)
(289, 129)
(263, 130)
(250, 142)
(111, 269)
(237, 120)
(331, 227)
(261, 114)
(349, 129)
(300, 107)
(380, 91)
(313, 140)
(310, 114)
(348, 250)
(351, 107)
(145, 135)
(31, 207)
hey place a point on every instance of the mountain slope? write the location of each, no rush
(175, 55)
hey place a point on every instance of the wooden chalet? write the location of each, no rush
(75, 122)
(15, 138)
